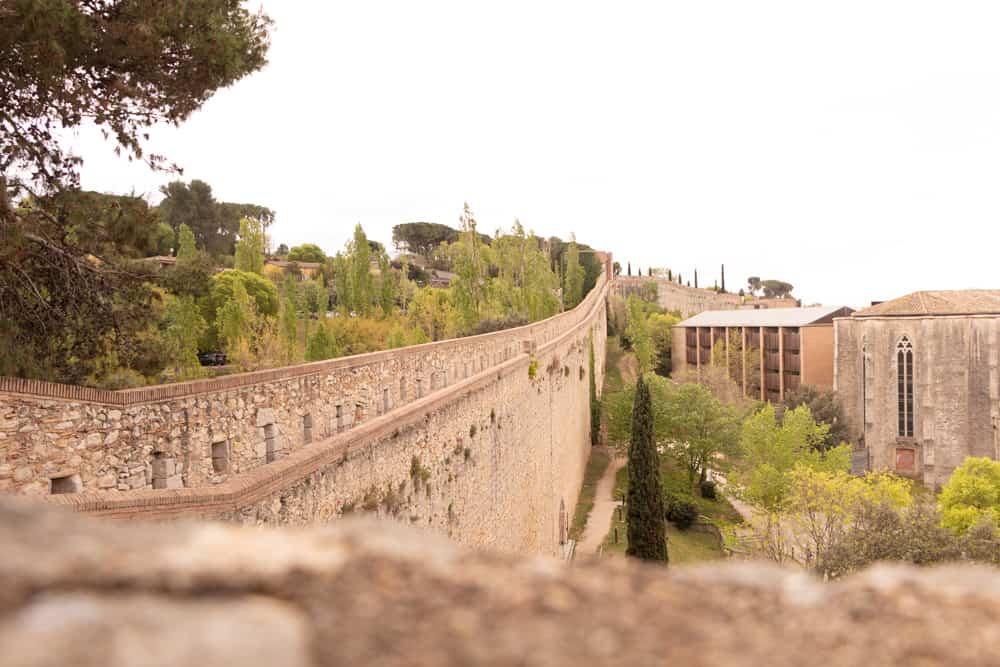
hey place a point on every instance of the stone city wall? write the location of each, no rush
(493, 460)
(59, 438)
(671, 296)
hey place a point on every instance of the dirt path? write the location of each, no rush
(599, 521)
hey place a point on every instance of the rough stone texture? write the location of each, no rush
(956, 369)
(671, 296)
(111, 439)
(495, 460)
(82, 592)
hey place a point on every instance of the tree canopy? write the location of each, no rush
(422, 238)
(65, 297)
(307, 252)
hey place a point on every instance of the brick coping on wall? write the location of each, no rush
(255, 485)
(129, 397)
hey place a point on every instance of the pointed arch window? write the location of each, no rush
(904, 372)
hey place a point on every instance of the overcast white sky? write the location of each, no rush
(850, 148)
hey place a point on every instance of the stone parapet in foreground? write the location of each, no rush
(78, 591)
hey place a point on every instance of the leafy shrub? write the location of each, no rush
(707, 489)
(972, 495)
(914, 534)
(681, 511)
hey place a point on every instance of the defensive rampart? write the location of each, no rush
(671, 296)
(483, 438)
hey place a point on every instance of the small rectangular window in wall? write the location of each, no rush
(270, 445)
(359, 413)
(385, 400)
(307, 428)
(340, 418)
(220, 457)
(420, 388)
(66, 484)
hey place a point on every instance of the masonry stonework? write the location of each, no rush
(671, 296)
(956, 390)
(452, 435)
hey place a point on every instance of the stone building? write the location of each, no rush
(769, 352)
(920, 383)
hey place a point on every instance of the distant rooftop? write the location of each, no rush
(938, 302)
(767, 317)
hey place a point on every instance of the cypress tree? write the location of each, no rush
(647, 529)
(630, 268)
(723, 277)
(670, 275)
(696, 277)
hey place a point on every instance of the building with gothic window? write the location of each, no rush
(919, 378)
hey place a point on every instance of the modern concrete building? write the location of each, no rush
(768, 351)
(919, 378)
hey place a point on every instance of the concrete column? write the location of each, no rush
(697, 349)
(743, 358)
(760, 350)
(781, 363)
(725, 343)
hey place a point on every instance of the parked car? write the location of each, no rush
(212, 358)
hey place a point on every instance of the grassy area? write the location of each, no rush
(596, 465)
(619, 366)
(683, 546)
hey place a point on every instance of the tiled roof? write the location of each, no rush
(767, 317)
(938, 302)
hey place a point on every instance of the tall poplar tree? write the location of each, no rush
(573, 287)
(647, 529)
(250, 247)
(186, 250)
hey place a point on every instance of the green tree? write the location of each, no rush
(122, 69)
(771, 451)
(647, 536)
(701, 430)
(470, 265)
(972, 495)
(181, 329)
(288, 329)
(661, 334)
(234, 321)
(250, 247)
(261, 290)
(315, 297)
(638, 335)
(422, 238)
(825, 407)
(194, 205)
(322, 344)
(186, 250)
(307, 252)
(388, 284)
(164, 239)
(431, 312)
(776, 289)
(573, 276)
(361, 273)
